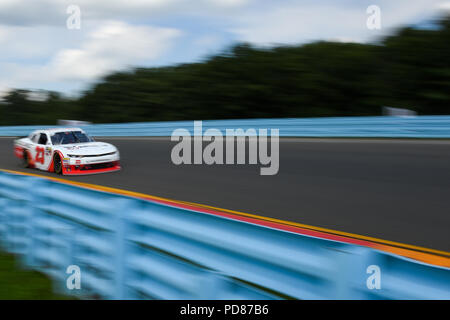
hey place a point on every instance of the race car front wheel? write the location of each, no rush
(57, 165)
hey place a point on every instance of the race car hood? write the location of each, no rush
(89, 148)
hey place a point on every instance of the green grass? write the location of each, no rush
(19, 284)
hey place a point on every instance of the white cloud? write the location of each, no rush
(293, 22)
(38, 42)
(53, 12)
(113, 46)
(229, 3)
(104, 48)
(444, 6)
(297, 23)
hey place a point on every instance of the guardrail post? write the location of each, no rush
(123, 208)
(351, 263)
(33, 201)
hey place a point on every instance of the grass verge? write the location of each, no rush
(19, 284)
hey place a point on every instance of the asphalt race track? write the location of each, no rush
(396, 190)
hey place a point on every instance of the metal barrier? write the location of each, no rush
(129, 248)
(383, 127)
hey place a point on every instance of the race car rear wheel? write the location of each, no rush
(25, 160)
(57, 165)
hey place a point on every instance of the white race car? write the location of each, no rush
(68, 151)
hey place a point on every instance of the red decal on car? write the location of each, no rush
(40, 155)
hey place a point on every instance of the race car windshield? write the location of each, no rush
(69, 137)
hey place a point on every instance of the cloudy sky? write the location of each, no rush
(39, 51)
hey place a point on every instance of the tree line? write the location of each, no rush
(409, 69)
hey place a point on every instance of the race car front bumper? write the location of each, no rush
(82, 169)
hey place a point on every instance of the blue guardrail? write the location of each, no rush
(128, 248)
(365, 127)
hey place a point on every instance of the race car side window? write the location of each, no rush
(43, 139)
(34, 138)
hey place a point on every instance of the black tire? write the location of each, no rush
(25, 161)
(57, 165)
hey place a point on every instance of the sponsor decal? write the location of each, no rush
(48, 151)
(99, 161)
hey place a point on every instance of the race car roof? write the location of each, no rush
(54, 130)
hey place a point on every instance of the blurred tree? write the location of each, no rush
(16, 108)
